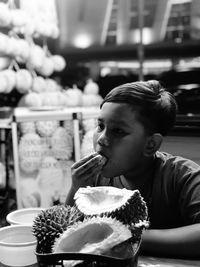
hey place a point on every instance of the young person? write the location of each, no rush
(133, 119)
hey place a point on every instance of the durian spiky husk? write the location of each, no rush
(97, 235)
(125, 205)
(50, 223)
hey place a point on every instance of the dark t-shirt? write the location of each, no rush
(175, 195)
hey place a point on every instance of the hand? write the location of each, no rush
(85, 171)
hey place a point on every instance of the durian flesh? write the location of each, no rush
(125, 205)
(97, 235)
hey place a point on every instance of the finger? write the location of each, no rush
(94, 162)
(91, 175)
(87, 178)
(84, 160)
(82, 174)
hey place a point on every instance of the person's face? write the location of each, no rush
(121, 138)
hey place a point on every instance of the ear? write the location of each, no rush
(153, 143)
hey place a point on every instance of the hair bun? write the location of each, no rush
(156, 87)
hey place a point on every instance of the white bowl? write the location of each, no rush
(24, 216)
(17, 245)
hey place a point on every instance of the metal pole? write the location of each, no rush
(140, 44)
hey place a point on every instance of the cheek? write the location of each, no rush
(129, 150)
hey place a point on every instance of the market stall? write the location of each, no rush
(45, 145)
(46, 115)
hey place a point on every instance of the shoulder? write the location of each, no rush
(175, 172)
(164, 159)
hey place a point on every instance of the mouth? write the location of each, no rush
(105, 158)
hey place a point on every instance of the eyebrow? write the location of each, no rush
(116, 122)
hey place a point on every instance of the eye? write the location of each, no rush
(100, 126)
(118, 131)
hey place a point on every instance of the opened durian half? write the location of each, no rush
(125, 205)
(97, 235)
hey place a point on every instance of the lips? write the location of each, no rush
(104, 159)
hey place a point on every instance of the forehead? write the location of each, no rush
(119, 113)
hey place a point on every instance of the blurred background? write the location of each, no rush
(117, 41)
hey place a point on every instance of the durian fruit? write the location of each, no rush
(62, 98)
(29, 194)
(19, 17)
(36, 56)
(51, 85)
(46, 149)
(29, 28)
(43, 28)
(50, 223)
(46, 128)
(96, 236)
(23, 50)
(4, 39)
(5, 15)
(11, 47)
(51, 99)
(75, 95)
(27, 127)
(38, 84)
(55, 31)
(50, 181)
(5, 62)
(31, 100)
(125, 205)
(92, 100)
(47, 67)
(68, 125)
(87, 144)
(91, 88)
(10, 75)
(62, 144)
(23, 81)
(3, 83)
(30, 152)
(59, 62)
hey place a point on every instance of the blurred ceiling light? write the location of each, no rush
(190, 63)
(82, 41)
(188, 86)
(147, 35)
(135, 64)
(105, 71)
(180, 1)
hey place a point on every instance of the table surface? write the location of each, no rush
(166, 262)
(144, 261)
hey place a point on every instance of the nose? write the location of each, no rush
(103, 139)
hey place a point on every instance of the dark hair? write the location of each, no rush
(156, 108)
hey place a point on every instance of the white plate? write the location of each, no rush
(23, 216)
